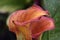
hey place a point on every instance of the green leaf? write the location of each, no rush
(53, 6)
(12, 5)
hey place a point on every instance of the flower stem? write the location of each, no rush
(20, 37)
(38, 38)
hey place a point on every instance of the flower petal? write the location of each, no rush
(26, 21)
(26, 32)
(24, 29)
(34, 12)
(14, 28)
(30, 14)
(44, 24)
(13, 17)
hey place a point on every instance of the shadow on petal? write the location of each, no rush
(44, 24)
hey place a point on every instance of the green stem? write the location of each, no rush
(40, 38)
(20, 37)
(37, 38)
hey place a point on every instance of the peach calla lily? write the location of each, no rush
(31, 22)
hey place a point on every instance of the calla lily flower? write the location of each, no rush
(31, 22)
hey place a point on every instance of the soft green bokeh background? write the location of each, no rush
(53, 6)
(12, 5)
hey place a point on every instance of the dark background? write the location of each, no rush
(5, 34)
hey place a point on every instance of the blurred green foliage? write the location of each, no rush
(53, 6)
(12, 5)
